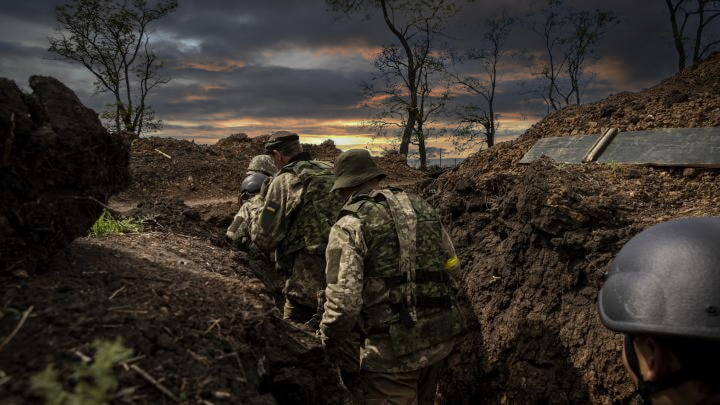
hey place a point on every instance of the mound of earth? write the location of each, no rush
(172, 168)
(199, 323)
(58, 167)
(536, 241)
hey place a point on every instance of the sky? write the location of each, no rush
(260, 66)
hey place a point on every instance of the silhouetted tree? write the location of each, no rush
(478, 121)
(571, 40)
(111, 39)
(387, 94)
(698, 13)
(417, 25)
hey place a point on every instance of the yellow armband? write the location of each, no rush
(451, 263)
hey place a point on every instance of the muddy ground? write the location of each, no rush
(535, 241)
(191, 306)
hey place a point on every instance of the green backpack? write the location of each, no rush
(311, 221)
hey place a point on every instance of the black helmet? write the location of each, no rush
(252, 183)
(666, 281)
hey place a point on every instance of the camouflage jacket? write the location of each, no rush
(239, 230)
(369, 262)
(294, 222)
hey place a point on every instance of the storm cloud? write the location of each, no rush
(260, 66)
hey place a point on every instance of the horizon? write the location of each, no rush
(256, 68)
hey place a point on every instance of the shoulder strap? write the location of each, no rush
(405, 219)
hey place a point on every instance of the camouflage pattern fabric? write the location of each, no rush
(294, 222)
(365, 282)
(239, 230)
(317, 211)
(263, 164)
(405, 221)
(411, 387)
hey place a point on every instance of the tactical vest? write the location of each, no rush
(311, 221)
(407, 292)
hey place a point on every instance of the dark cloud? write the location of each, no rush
(255, 65)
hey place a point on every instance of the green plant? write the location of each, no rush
(94, 382)
(109, 225)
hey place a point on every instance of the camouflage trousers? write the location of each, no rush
(416, 387)
(408, 388)
(305, 279)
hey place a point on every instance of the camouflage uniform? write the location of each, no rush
(239, 230)
(391, 271)
(294, 222)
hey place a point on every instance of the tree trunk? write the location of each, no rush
(421, 147)
(698, 33)
(677, 35)
(412, 74)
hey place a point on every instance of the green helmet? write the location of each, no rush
(263, 164)
(355, 167)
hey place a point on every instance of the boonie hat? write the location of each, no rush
(355, 167)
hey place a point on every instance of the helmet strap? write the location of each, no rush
(646, 389)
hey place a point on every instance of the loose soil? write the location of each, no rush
(534, 240)
(197, 319)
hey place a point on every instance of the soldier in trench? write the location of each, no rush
(390, 317)
(663, 293)
(254, 186)
(294, 222)
(260, 170)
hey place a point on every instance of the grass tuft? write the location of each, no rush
(109, 225)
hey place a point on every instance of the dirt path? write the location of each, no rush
(125, 206)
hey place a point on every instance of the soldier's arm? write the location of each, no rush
(344, 254)
(243, 219)
(269, 226)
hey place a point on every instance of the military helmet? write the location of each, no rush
(263, 164)
(355, 167)
(252, 183)
(666, 281)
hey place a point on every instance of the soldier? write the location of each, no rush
(663, 293)
(391, 278)
(295, 221)
(260, 169)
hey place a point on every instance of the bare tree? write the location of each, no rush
(387, 94)
(685, 13)
(571, 41)
(416, 24)
(478, 121)
(111, 39)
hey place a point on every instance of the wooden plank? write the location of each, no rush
(565, 149)
(696, 147)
